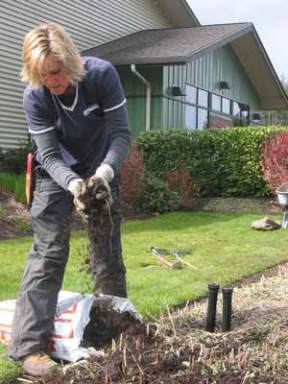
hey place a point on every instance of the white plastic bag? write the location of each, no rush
(72, 316)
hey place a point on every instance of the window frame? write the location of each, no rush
(209, 105)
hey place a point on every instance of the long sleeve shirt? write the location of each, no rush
(74, 140)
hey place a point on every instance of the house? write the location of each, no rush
(194, 77)
(175, 72)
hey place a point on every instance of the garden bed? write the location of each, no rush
(177, 350)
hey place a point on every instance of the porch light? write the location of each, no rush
(175, 91)
(224, 85)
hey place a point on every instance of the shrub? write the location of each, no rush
(132, 174)
(220, 162)
(157, 196)
(181, 182)
(275, 159)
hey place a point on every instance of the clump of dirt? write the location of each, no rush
(107, 321)
(103, 222)
(95, 198)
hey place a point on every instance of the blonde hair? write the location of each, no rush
(43, 40)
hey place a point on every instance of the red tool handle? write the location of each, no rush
(30, 182)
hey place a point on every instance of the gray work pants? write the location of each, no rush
(36, 303)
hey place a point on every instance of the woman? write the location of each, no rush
(77, 116)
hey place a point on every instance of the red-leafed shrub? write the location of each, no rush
(182, 182)
(275, 159)
(132, 175)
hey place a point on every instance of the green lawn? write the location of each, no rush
(15, 184)
(224, 249)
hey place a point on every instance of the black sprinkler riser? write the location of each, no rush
(212, 305)
(227, 309)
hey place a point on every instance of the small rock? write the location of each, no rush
(265, 224)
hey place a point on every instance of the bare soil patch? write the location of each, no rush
(14, 217)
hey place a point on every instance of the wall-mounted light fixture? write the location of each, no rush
(244, 107)
(256, 116)
(175, 91)
(224, 85)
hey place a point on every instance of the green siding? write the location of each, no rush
(135, 92)
(90, 23)
(173, 111)
(222, 64)
(206, 72)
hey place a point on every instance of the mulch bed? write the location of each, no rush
(14, 217)
(176, 349)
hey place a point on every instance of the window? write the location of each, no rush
(191, 94)
(226, 106)
(216, 103)
(190, 117)
(202, 98)
(205, 109)
(202, 118)
(236, 109)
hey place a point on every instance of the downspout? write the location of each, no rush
(148, 95)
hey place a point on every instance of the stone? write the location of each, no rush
(265, 224)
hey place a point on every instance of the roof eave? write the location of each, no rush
(150, 60)
(271, 68)
(176, 59)
(261, 71)
(268, 102)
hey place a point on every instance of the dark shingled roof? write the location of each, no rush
(167, 45)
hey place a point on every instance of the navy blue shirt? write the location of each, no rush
(75, 140)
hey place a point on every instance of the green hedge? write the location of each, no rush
(223, 162)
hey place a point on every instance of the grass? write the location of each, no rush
(15, 184)
(224, 249)
(8, 369)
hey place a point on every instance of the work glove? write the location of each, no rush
(104, 172)
(78, 189)
(100, 182)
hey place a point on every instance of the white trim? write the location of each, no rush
(90, 109)
(39, 132)
(74, 102)
(115, 107)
